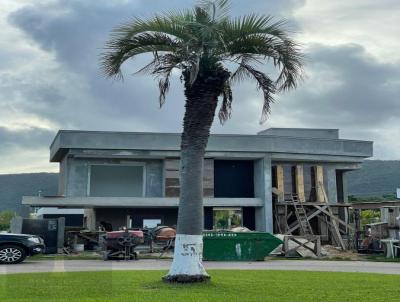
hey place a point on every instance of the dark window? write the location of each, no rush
(339, 186)
(309, 183)
(208, 218)
(289, 179)
(71, 220)
(249, 218)
(233, 178)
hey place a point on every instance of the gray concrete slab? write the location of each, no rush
(301, 265)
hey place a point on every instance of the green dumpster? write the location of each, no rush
(232, 246)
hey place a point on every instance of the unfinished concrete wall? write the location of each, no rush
(154, 178)
(78, 175)
(62, 177)
(330, 183)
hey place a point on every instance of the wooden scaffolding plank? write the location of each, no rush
(332, 217)
(300, 183)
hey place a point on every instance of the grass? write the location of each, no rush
(244, 286)
(381, 258)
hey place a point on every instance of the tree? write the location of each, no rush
(212, 51)
(5, 219)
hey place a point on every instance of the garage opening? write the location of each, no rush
(234, 178)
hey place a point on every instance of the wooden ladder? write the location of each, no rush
(301, 215)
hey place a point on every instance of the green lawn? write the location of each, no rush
(243, 286)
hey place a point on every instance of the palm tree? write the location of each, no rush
(212, 51)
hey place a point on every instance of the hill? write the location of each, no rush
(375, 178)
(14, 186)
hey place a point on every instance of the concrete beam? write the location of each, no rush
(130, 202)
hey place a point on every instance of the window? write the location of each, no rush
(117, 181)
(172, 175)
(151, 223)
(227, 218)
(234, 178)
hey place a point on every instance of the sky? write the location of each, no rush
(50, 77)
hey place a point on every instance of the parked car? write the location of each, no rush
(14, 248)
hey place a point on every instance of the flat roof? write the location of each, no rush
(66, 140)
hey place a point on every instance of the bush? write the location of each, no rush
(5, 219)
(370, 216)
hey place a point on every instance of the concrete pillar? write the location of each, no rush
(60, 234)
(331, 184)
(263, 190)
(90, 217)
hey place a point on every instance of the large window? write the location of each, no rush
(234, 178)
(117, 181)
(227, 218)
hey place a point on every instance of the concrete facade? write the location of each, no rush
(77, 151)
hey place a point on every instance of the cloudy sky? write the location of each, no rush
(50, 79)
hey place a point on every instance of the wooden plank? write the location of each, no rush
(319, 179)
(330, 214)
(280, 182)
(300, 183)
(315, 240)
(172, 178)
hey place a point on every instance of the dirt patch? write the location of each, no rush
(337, 254)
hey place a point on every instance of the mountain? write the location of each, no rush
(375, 178)
(14, 186)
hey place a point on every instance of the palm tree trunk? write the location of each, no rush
(201, 103)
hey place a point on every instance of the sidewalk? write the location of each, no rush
(301, 265)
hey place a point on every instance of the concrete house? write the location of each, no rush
(132, 179)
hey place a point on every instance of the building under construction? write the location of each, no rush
(288, 181)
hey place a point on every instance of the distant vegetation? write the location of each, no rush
(14, 186)
(376, 181)
(377, 178)
(5, 219)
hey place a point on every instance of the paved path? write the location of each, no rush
(99, 265)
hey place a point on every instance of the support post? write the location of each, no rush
(60, 234)
(263, 190)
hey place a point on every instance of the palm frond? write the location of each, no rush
(226, 107)
(120, 49)
(217, 9)
(286, 56)
(163, 85)
(200, 41)
(265, 84)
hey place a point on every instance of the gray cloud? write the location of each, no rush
(60, 82)
(346, 86)
(32, 138)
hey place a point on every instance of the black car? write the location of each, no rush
(14, 248)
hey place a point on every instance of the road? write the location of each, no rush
(301, 265)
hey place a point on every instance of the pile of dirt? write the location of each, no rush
(334, 252)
